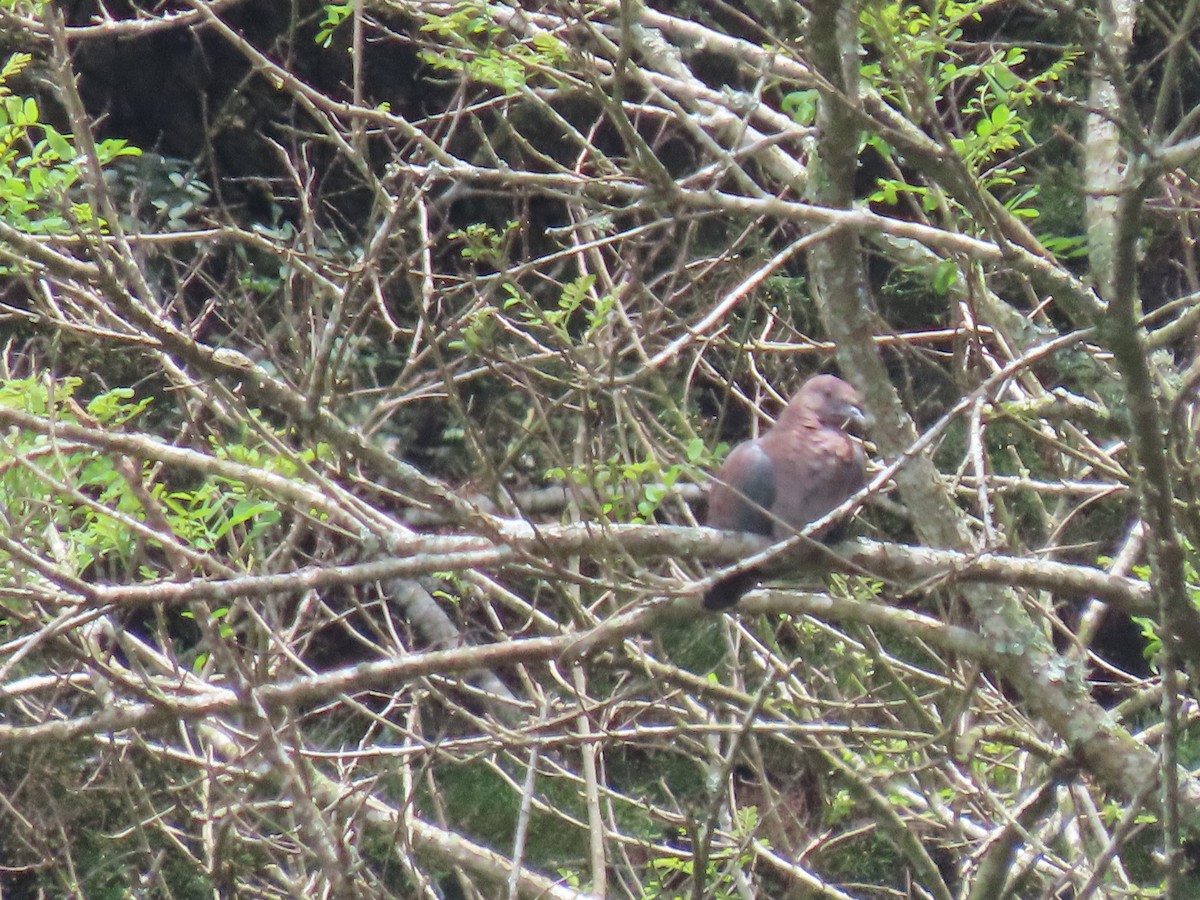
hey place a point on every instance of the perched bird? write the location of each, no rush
(799, 470)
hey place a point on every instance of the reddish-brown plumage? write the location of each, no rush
(799, 470)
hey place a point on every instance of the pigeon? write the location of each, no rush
(799, 470)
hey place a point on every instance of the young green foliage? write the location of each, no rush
(918, 70)
(39, 166)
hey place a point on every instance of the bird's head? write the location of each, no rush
(832, 402)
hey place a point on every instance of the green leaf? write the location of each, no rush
(59, 145)
(945, 277)
(801, 106)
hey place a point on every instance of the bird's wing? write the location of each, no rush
(743, 491)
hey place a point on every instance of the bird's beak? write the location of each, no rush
(856, 417)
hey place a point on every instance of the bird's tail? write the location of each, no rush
(728, 591)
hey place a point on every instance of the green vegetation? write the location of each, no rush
(362, 368)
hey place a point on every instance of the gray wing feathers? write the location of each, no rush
(744, 491)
